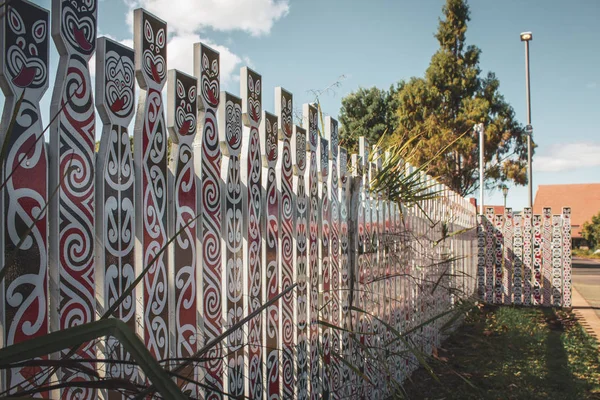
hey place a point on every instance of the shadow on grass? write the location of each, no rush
(514, 353)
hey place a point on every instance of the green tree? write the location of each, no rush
(442, 107)
(370, 113)
(591, 231)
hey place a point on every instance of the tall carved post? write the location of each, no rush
(507, 268)
(182, 107)
(547, 255)
(346, 350)
(251, 173)
(557, 264)
(566, 250)
(517, 277)
(24, 43)
(300, 260)
(230, 133)
(537, 259)
(206, 70)
(115, 90)
(331, 132)
(283, 110)
(269, 131)
(71, 151)
(150, 153)
(325, 269)
(311, 121)
(527, 260)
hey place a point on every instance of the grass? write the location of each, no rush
(513, 353)
(585, 254)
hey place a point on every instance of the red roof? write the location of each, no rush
(583, 198)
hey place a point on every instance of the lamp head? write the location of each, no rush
(505, 190)
(526, 36)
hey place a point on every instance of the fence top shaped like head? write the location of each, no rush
(268, 144)
(343, 163)
(356, 165)
(115, 82)
(324, 159)
(182, 98)
(310, 122)
(283, 109)
(230, 124)
(364, 157)
(24, 50)
(150, 44)
(566, 211)
(331, 133)
(206, 70)
(299, 150)
(251, 91)
(74, 26)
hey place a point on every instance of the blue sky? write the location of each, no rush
(306, 45)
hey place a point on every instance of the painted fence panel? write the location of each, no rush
(24, 74)
(537, 258)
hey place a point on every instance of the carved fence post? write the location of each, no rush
(182, 98)
(115, 229)
(269, 133)
(507, 248)
(517, 277)
(230, 133)
(311, 121)
(547, 255)
(300, 260)
(150, 155)
(283, 110)
(251, 174)
(24, 49)
(566, 236)
(71, 152)
(331, 132)
(206, 70)
(346, 349)
(527, 257)
(537, 259)
(557, 264)
(325, 304)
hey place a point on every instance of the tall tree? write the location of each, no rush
(437, 114)
(370, 113)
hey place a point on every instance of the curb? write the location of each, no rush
(586, 316)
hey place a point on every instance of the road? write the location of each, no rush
(586, 279)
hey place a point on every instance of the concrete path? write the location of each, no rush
(586, 294)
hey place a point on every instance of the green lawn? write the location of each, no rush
(513, 353)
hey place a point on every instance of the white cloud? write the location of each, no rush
(569, 156)
(186, 16)
(591, 85)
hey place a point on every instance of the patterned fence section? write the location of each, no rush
(536, 267)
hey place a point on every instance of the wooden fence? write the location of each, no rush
(525, 259)
(248, 206)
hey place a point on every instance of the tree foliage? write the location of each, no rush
(591, 231)
(436, 114)
(370, 113)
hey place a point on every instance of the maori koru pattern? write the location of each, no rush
(498, 244)
(252, 175)
(508, 256)
(331, 131)
(556, 260)
(230, 121)
(345, 273)
(283, 108)
(300, 259)
(115, 87)
(566, 235)
(150, 35)
(71, 147)
(206, 67)
(481, 256)
(489, 255)
(269, 132)
(24, 43)
(547, 255)
(181, 122)
(311, 119)
(527, 254)
(517, 278)
(359, 299)
(537, 260)
(325, 270)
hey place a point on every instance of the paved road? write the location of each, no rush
(586, 279)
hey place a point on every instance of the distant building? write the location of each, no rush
(583, 198)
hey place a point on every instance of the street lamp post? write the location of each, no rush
(505, 193)
(527, 37)
(478, 128)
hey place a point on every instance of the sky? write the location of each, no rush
(308, 45)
